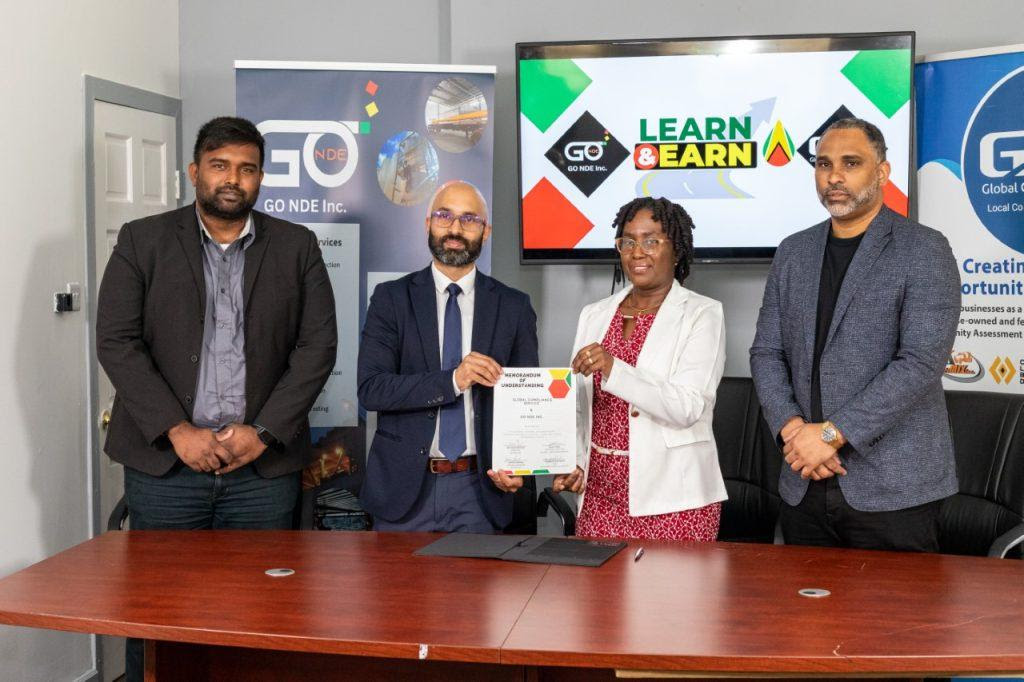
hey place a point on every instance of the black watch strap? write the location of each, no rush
(266, 437)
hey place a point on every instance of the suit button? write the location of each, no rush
(634, 413)
(194, 358)
(431, 414)
(188, 400)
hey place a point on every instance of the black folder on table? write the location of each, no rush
(532, 549)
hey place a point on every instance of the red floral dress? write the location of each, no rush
(605, 512)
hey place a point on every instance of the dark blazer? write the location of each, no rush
(881, 369)
(400, 377)
(149, 336)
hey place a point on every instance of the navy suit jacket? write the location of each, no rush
(881, 369)
(400, 377)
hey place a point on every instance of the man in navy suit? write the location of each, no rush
(858, 319)
(433, 346)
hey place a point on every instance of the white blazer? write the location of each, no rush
(673, 461)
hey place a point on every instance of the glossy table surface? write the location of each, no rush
(717, 608)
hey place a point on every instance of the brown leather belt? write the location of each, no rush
(444, 466)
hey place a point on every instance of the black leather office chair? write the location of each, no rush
(750, 462)
(986, 517)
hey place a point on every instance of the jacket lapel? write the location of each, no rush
(254, 258)
(424, 305)
(485, 314)
(192, 244)
(878, 234)
(810, 281)
(665, 328)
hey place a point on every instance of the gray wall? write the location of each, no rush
(484, 32)
(44, 495)
(214, 34)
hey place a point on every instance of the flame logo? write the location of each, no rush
(778, 148)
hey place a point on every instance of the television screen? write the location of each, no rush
(726, 127)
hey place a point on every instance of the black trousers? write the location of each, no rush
(825, 519)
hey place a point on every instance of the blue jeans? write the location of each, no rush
(183, 499)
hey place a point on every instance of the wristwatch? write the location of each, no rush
(830, 434)
(266, 437)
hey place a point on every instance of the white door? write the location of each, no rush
(135, 156)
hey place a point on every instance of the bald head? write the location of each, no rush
(459, 196)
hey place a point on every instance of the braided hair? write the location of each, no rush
(674, 221)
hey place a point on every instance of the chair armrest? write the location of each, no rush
(1007, 541)
(119, 515)
(549, 498)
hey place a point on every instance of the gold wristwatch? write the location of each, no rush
(830, 434)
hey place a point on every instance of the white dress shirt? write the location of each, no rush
(466, 298)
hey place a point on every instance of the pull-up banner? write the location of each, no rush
(355, 152)
(970, 153)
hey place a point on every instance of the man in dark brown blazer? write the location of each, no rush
(216, 326)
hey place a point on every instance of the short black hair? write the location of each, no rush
(674, 221)
(225, 130)
(870, 130)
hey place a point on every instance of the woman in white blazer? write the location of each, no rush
(649, 358)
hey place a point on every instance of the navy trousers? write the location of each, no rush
(448, 503)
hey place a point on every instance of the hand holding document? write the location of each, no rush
(535, 421)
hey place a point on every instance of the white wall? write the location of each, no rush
(45, 47)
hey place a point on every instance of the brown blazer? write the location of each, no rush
(149, 336)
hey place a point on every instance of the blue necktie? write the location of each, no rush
(452, 438)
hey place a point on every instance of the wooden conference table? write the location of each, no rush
(360, 606)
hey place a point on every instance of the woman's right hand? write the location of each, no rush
(572, 482)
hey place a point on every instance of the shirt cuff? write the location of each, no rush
(455, 385)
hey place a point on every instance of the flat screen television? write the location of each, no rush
(726, 127)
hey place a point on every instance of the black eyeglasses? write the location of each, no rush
(650, 245)
(470, 222)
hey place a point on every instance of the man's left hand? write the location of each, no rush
(243, 444)
(504, 482)
(805, 451)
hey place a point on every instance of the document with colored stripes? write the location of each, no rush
(535, 421)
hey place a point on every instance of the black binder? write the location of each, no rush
(532, 549)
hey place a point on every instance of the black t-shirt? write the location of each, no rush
(838, 254)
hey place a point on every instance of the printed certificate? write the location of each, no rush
(535, 421)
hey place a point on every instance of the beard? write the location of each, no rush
(212, 202)
(469, 252)
(841, 209)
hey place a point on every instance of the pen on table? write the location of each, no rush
(639, 553)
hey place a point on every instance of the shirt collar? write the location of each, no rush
(441, 281)
(249, 231)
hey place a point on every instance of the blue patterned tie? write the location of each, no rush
(452, 439)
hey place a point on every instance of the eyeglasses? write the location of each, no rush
(470, 222)
(650, 245)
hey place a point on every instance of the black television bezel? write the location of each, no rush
(636, 48)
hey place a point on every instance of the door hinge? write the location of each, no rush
(177, 185)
